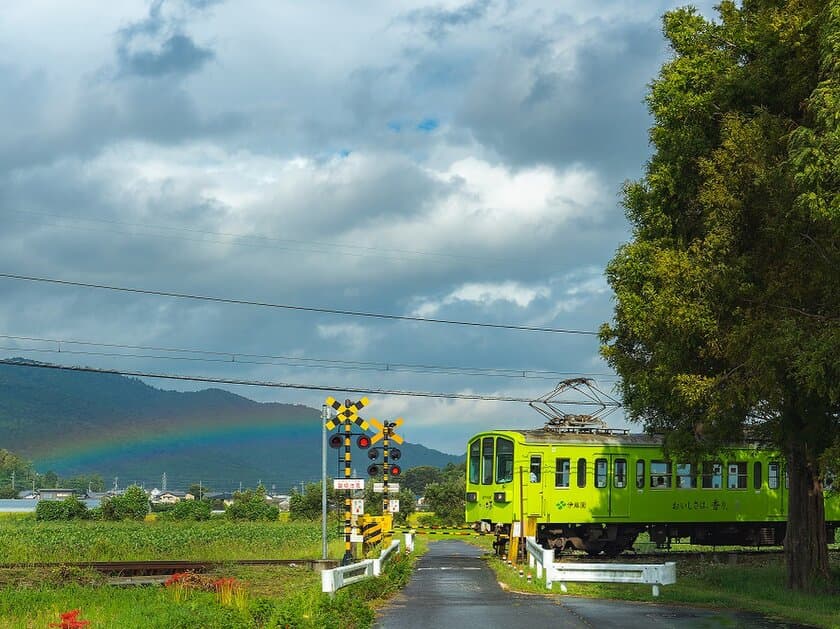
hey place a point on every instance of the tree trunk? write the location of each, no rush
(806, 546)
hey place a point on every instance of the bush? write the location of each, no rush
(68, 509)
(251, 505)
(188, 510)
(132, 505)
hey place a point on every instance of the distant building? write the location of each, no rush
(171, 497)
(56, 494)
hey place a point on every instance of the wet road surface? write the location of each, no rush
(452, 587)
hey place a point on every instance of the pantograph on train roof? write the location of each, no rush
(574, 393)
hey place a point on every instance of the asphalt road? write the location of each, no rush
(453, 588)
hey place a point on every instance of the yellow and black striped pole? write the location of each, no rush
(386, 469)
(348, 553)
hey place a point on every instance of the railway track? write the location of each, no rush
(154, 568)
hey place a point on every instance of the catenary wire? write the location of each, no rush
(352, 313)
(313, 246)
(288, 361)
(285, 385)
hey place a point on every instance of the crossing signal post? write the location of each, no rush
(348, 414)
(387, 433)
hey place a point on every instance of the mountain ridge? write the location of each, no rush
(80, 423)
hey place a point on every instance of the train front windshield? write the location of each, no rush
(490, 461)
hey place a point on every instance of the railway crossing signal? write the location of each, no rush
(348, 414)
(386, 433)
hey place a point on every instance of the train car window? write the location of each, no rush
(581, 473)
(536, 469)
(736, 475)
(504, 460)
(487, 461)
(562, 472)
(712, 475)
(475, 462)
(600, 473)
(640, 474)
(620, 473)
(660, 474)
(686, 478)
(757, 475)
(773, 475)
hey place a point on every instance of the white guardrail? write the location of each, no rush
(649, 574)
(337, 578)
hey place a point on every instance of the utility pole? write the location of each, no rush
(13, 480)
(163, 482)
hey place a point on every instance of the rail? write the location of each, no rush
(654, 575)
(337, 578)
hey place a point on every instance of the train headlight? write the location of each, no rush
(472, 496)
(499, 496)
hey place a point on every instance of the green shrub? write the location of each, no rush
(70, 508)
(188, 510)
(132, 505)
(251, 505)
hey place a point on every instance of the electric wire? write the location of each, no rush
(211, 356)
(251, 240)
(285, 385)
(352, 313)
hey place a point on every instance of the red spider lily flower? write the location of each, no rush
(70, 620)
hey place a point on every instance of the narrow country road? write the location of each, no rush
(453, 588)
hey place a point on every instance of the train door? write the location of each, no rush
(534, 486)
(619, 490)
(777, 488)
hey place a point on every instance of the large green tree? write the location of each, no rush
(727, 317)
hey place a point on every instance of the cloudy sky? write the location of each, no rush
(444, 160)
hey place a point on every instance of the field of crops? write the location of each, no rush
(25, 540)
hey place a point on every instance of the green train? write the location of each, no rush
(597, 490)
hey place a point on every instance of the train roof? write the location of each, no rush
(605, 437)
(546, 435)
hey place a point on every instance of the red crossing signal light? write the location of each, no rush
(336, 441)
(363, 442)
(395, 470)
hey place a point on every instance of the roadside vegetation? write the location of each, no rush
(232, 597)
(239, 597)
(754, 583)
(27, 540)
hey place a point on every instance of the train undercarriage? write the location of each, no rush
(613, 538)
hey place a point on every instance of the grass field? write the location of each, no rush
(277, 596)
(28, 541)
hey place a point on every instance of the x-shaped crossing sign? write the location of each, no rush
(390, 427)
(347, 413)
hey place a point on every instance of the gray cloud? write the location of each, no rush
(437, 22)
(177, 55)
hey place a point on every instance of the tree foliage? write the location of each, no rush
(307, 505)
(727, 318)
(133, 504)
(251, 505)
(71, 508)
(416, 479)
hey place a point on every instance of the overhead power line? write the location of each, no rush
(210, 356)
(245, 302)
(285, 385)
(259, 240)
